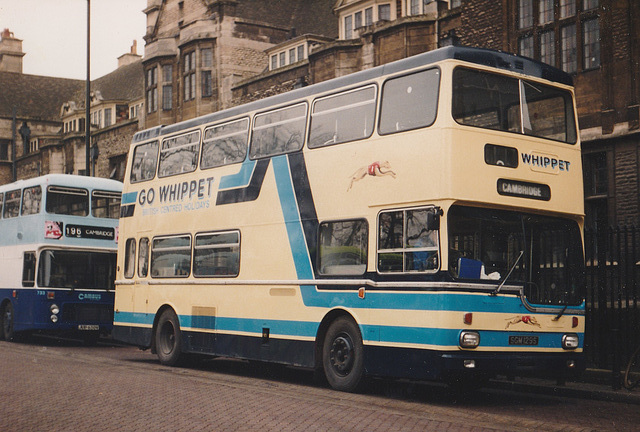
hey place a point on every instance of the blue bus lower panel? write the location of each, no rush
(379, 361)
(78, 310)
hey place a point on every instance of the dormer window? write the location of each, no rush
(353, 19)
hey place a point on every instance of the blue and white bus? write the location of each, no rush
(58, 240)
(421, 219)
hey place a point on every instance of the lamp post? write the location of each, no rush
(87, 122)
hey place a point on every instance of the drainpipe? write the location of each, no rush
(13, 145)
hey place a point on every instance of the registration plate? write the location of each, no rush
(88, 327)
(523, 340)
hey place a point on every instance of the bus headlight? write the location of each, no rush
(469, 339)
(570, 341)
(54, 318)
(54, 309)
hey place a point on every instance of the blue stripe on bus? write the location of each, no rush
(241, 178)
(370, 333)
(129, 198)
(291, 215)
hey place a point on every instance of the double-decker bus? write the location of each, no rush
(58, 239)
(420, 219)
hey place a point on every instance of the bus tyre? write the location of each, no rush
(7, 322)
(169, 339)
(342, 355)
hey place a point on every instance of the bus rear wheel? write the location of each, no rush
(343, 356)
(169, 339)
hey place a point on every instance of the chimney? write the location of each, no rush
(10, 52)
(129, 57)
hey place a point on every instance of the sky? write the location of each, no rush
(54, 34)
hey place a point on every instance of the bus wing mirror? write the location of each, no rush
(433, 219)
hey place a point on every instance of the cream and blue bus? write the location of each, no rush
(58, 243)
(421, 219)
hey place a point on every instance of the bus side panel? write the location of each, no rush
(264, 348)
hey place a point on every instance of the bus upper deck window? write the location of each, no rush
(410, 101)
(497, 102)
(12, 204)
(31, 199)
(225, 144)
(105, 204)
(347, 116)
(67, 201)
(145, 160)
(179, 154)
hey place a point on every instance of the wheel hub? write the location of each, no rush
(342, 354)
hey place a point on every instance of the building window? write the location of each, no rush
(133, 111)
(167, 97)
(569, 57)
(189, 76)
(368, 16)
(107, 117)
(414, 7)
(301, 52)
(525, 46)
(384, 12)
(591, 44)
(207, 57)
(589, 4)
(4, 149)
(455, 3)
(545, 8)
(206, 75)
(525, 13)
(357, 20)
(547, 48)
(167, 87)
(567, 8)
(207, 83)
(151, 90)
(33, 145)
(348, 27)
(596, 188)
(274, 62)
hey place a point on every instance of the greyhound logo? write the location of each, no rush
(375, 169)
(526, 319)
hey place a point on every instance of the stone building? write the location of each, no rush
(197, 50)
(42, 119)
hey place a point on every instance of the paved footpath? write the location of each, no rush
(51, 388)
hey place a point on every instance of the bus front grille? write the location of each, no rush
(92, 313)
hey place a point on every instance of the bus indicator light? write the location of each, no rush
(51, 295)
(361, 293)
(468, 318)
(574, 322)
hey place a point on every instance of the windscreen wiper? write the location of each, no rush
(561, 312)
(497, 290)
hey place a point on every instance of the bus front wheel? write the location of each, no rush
(342, 355)
(169, 339)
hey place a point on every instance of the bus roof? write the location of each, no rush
(480, 56)
(66, 180)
